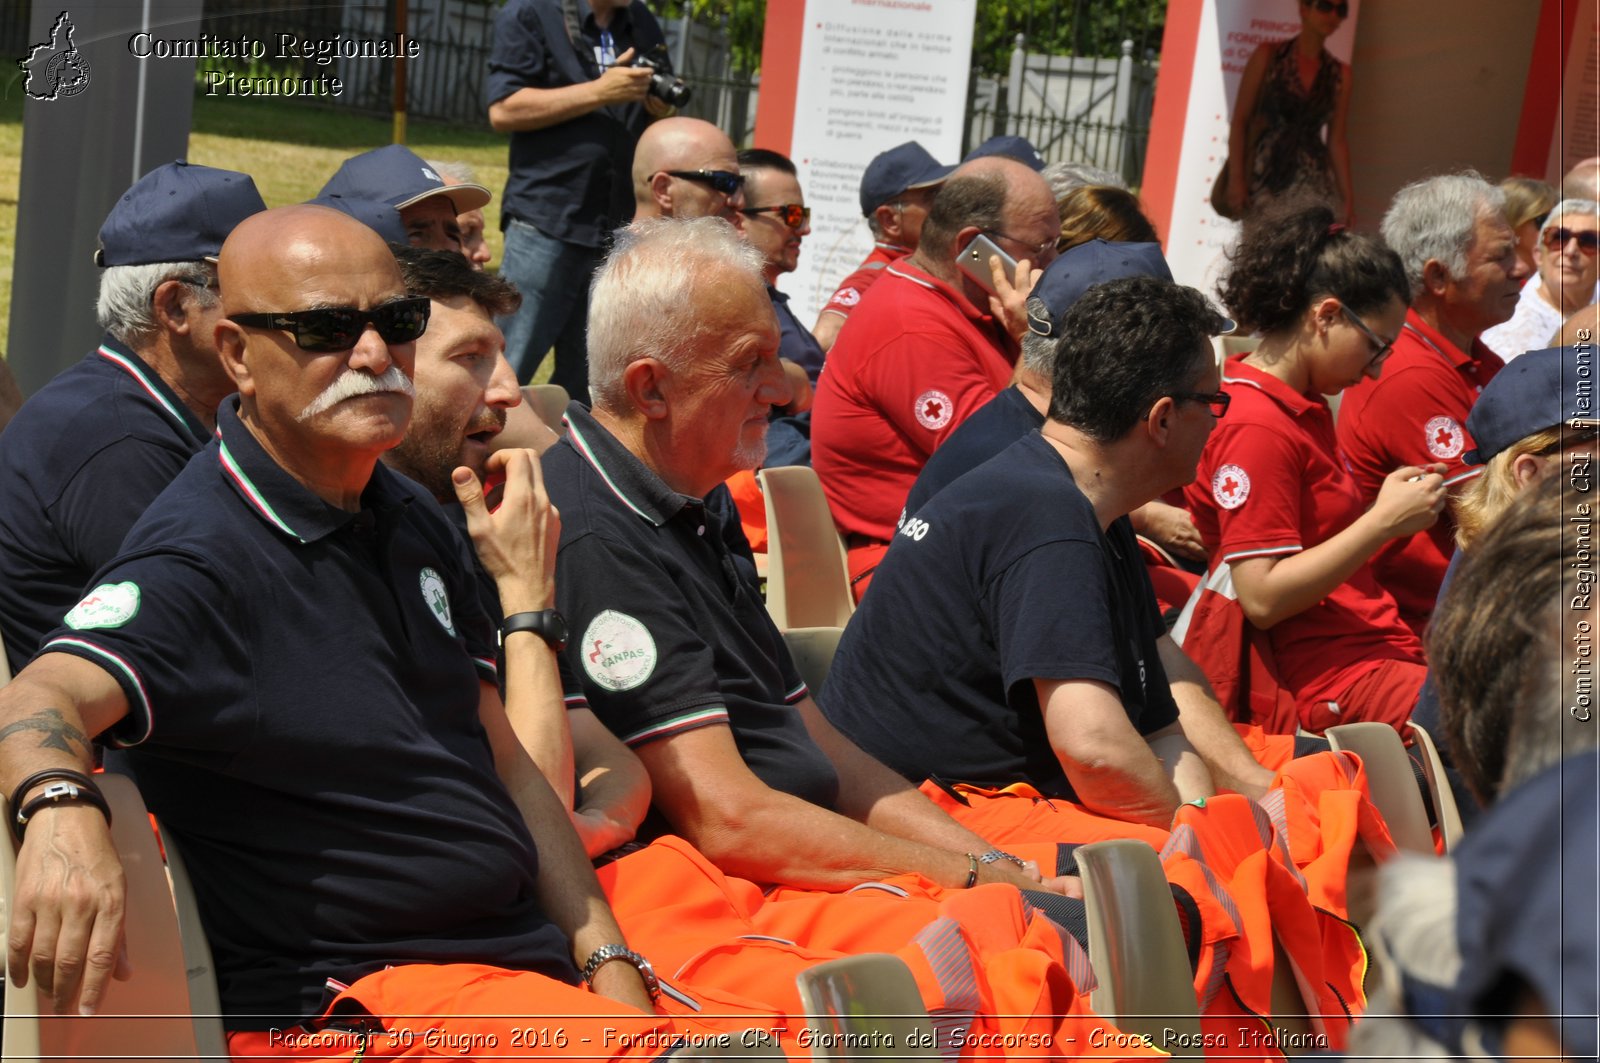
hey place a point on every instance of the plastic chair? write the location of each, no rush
(1391, 780)
(1444, 798)
(146, 1017)
(812, 649)
(549, 401)
(808, 581)
(1136, 946)
(866, 1007)
(205, 1002)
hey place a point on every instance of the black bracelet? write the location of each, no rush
(74, 786)
(972, 872)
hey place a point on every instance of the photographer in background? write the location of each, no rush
(564, 81)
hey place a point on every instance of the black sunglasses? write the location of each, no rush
(1325, 6)
(337, 328)
(1588, 242)
(791, 214)
(1217, 401)
(721, 180)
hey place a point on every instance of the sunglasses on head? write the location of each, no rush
(1588, 242)
(720, 180)
(338, 328)
(1342, 9)
(791, 214)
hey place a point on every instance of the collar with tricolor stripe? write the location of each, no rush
(643, 492)
(150, 382)
(278, 498)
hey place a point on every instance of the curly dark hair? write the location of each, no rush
(447, 274)
(1125, 344)
(1288, 259)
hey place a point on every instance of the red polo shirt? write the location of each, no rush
(1415, 414)
(853, 287)
(1272, 482)
(913, 362)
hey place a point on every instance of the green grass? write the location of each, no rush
(289, 149)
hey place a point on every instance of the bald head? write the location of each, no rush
(1582, 181)
(685, 145)
(269, 253)
(994, 195)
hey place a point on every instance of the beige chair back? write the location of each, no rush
(1390, 779)
(1444, 798)
(866, 1007)
(808, 582)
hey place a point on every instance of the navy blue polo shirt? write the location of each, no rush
(81, 461)
(1004, 577)
(667, 635)
(303, 688)
(992, 428)
(795, 341)
(572, 180)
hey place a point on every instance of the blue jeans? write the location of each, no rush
(553, 277)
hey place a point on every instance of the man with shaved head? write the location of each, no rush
(922, 351)
(291, 650)
(686, 168)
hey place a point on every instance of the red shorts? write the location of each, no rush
(863, 556)
(1385, 693)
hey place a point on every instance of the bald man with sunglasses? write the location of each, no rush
(292, 651)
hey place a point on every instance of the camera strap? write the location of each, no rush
(580, 44)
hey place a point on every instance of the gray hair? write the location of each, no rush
(642, 303)
(126, 304)
(1039, 352)
(1065, 176)
(1565, 207)
(456, 171)
(1437, 218)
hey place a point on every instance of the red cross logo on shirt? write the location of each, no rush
(1230, 486)
(933, 409)
(1444, 437)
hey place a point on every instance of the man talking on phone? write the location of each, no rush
(924, 349)
(565, 83)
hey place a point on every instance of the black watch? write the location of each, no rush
(548, 624)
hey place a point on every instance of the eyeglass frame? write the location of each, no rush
(1552, 239)
(805, 213)
(1212, 400)
(715, 178)
(1383, 347)
(290, 321)
(1037, 250)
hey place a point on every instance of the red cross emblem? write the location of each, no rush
(1444, 437)
(1230, 486)
(934, 410)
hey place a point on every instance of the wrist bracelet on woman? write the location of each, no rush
(69, 785)
(994, 856)
(972, 872)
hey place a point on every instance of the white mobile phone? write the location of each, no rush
(974, 262)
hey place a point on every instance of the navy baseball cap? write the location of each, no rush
(176, 213)
(1082, 267)
(398, 176)
(1538, 390)
(379, 217)
(1010, 147)
(894, 171)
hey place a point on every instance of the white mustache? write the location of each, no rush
(354, 382)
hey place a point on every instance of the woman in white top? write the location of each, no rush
(1563, 284)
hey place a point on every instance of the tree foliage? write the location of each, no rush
(1056, 27)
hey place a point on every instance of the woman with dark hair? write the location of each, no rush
(1290, 91)
(1273, 498)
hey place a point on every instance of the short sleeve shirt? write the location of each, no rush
(999, 423)
(1271, 483)
(1004, 577)
(667, 633)
(303, 687)
(1415, 414)
(795, 341)
(573, 180)
(913, 362)
(80, 462)
(848, 295)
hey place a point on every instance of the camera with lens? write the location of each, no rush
(665, 87)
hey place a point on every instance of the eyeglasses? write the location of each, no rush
(338, 328)
(720, 180)
(1380, 346)
(1035, 251)
(1588, 242)
(1217, 401)
(791, 214)
(1326, 6)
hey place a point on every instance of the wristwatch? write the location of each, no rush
(606, 953)
(548, 624)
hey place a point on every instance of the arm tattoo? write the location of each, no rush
(53, 726)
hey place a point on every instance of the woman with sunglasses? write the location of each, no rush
(1273, 498)
(1563, 281)
(1291, 90)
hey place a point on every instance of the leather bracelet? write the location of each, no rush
(73, 786)
(994, 856)
(972, 872)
